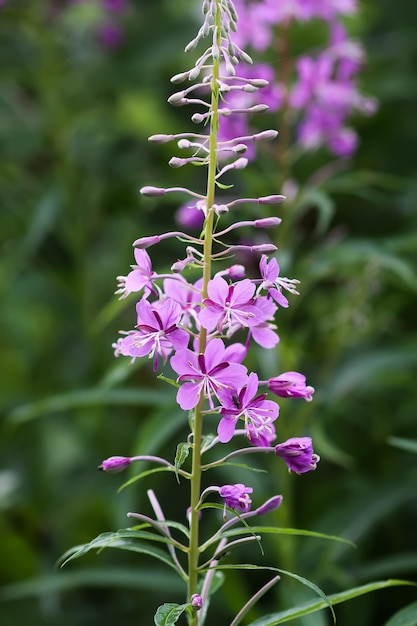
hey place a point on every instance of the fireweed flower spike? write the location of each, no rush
(186, 324)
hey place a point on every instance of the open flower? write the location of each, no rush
(206, 373)
(243, 403)
(157, 332)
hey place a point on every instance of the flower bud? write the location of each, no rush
(151, 192)
(267, 222)
(179, 78)
(277, 199)
(146, 242)
(196, 602)
(115, 464)
(160, 138)
(270, 505)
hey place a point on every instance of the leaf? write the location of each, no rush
(406, 617)
(168, 614)
(409, 445)
(286, 531)
(88, 397)
(317, 605)
(183, 450)
(304, 581)
(116, 577)
(134, 479)
(115, 540)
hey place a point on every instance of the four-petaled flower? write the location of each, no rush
(229, 307)
(298, 454)
(139, 278)
(157, 332)
(243, 403)
(205, 373)
(274, 283)
(236, 497)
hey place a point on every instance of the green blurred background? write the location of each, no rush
(77, 103)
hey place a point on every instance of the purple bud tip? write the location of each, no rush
(146, 242)
(277, 199)
(115, 464)
(240, 164)
(265, 248)
(150, 192)
(177, 162)
(266, 135)
(268, 222)
(196, 602)
(270, 505)
(179, 78)
(160, 138)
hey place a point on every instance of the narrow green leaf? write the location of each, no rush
(134, 479)
(406, 617)
(317, 605)
(286, 531)
(113, 540)
(304, 581)
(168, 614)
(88, 397)
(409, 445)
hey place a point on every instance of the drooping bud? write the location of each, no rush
(146, 242)
(152, 192)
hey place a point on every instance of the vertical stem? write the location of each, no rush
(193, 554)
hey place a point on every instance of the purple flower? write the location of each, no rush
(298, 454)
(243, 403)
(229, 307)
(115, 464)
(157, 334)
(205, 373)
(188, 297)
(290, 385)
(139, 278)
(274, 283)
(236, 497)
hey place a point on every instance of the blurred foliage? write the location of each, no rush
(74, 121)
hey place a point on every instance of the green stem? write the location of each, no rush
(193, 554)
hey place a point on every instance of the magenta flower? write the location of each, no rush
(157, 334)
(229, 307)
(115, 464)
(236, 497)
(298, 454)
(290, 385)
(274, 283)
(243, 403)
(139, 278)
(188, 297)
(206, 374)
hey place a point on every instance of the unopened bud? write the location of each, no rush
(146, 242)
(184, 144)
(265, 135)
(151, 192)
(277, 199)
(115, 464)
(259, 108)
(240, 164)
(267, 222)
(179, 78)
(177, 162)
(264, 248)
(240, 148)
(196, 602)
(177, 98)
(221, 209)
(270, 505)
(197, 118)
(160, 138)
